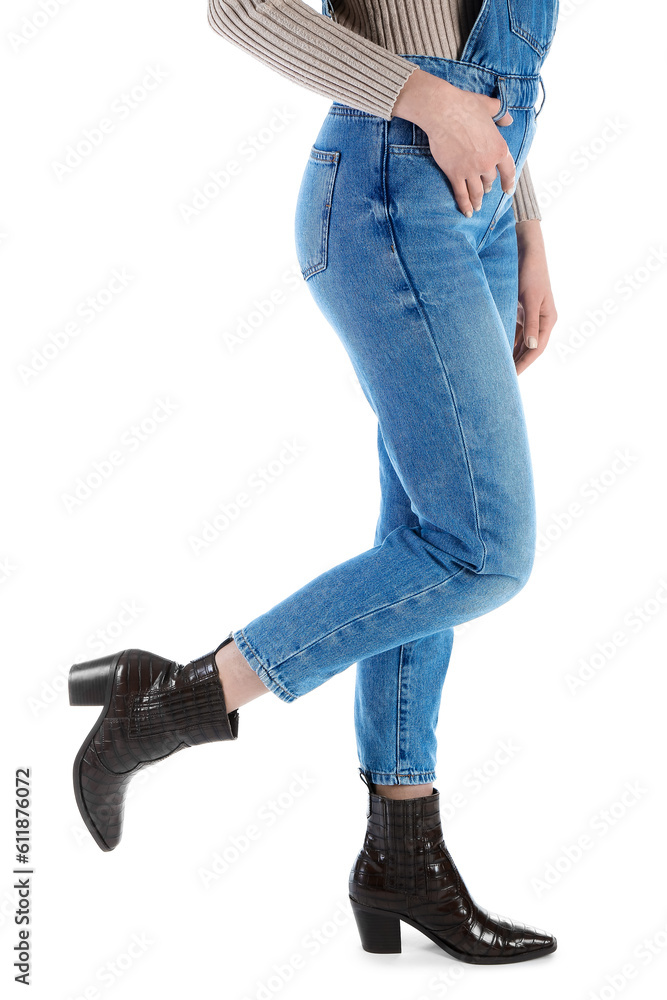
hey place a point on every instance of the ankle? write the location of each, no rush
(404, 791)
(240, 683)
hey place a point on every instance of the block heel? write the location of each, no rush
(404, 873)
(88, 681)
(380, 932)
(152, 707)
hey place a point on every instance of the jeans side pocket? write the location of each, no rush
(313, 210)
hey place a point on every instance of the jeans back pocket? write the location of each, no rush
(313, 210)
(535, 22)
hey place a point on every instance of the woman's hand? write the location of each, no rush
(536, 314)
(463, 137)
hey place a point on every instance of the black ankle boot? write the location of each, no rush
(153, 707)
(405, 872)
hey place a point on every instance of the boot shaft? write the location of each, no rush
(177, 700)
(404, 850)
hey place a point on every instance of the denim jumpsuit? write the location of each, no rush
(424, 301)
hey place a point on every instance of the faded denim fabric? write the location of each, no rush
(424, 301)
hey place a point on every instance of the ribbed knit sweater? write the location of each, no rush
(352, 56)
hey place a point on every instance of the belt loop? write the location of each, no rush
(544, 95)
(503, 99)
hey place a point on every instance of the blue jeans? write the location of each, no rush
(424, 301)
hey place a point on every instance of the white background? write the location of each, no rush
(69, 576)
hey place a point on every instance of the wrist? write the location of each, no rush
(528, 232)
(422, 98)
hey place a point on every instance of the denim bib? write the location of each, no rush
(503, 54)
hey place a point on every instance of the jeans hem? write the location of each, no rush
(260, 668)
(392, 778)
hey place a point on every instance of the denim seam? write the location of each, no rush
(399, 259)
(478, 67)
(495, 216)
(352, 621)
(376, 775)
(336, 109)
(264, 667)
(477, 26)
(398, 706)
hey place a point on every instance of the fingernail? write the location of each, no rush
(468, 214)
(532, 341)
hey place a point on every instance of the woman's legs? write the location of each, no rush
(382, 738)
(424, 302)
(387, 740)
(391, 737)
(423, 331)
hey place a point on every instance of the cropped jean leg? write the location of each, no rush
(424, 302)
(398, 692)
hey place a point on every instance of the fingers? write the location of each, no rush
(469, 191)
(533, 328)
(475, 192)
(462, 196)
(507, 171)
(506, 167)
(528, 326)
(488, 180)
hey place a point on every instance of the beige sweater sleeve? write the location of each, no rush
(330, 59)
(314, 51)
(525, 199)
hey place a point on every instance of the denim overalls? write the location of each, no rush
(424, 301)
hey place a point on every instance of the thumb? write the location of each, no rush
(531, 327)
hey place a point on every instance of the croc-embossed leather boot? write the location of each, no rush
(405, 872)
(152, 707)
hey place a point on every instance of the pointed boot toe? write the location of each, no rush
(404, 872)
